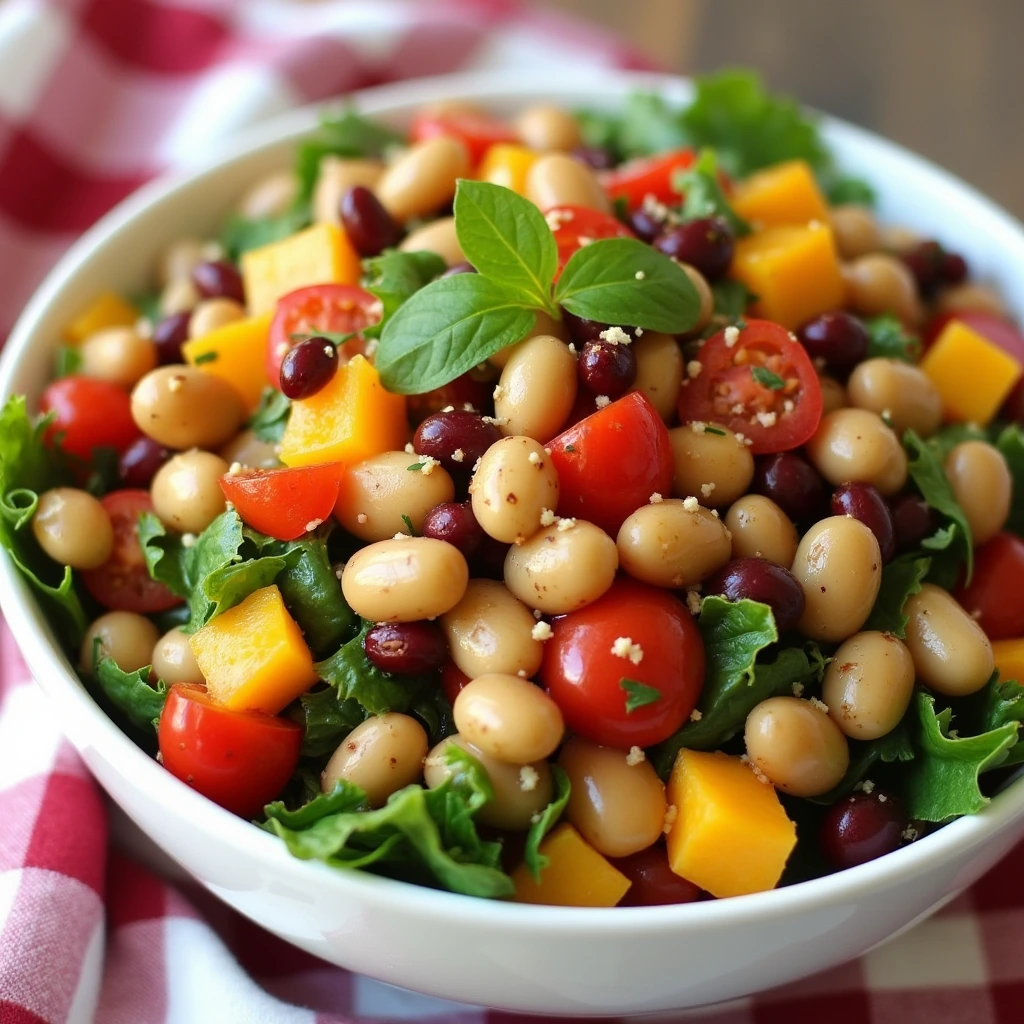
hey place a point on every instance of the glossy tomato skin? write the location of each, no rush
(611, 462)
(573, 226)
(123, 583)
(655, 884)
(89, 414)
(774, 418)
(284, 503)
(995, 595)
(647, 176)
(584, 677)
(319, 309)
(239, 760)
(477, 131)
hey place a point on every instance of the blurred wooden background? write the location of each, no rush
(944, 77)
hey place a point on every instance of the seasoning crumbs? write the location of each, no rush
(541, 631)
(625, 648)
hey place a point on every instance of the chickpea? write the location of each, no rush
(380, 756)
(548, 129)
(855, 230)
(880, 283)
(833, 395)
(186, 490)
(520, 791)
(508, 718)
(659, 371)
(405, 580)
(796, 746)
(247, 449)
(714, 461)
(951, 653)
(126, 638)
(491, 630)
(981, 482)
(437, 237)
(73, 528)
(423, 178)
(760, 529)
(981, 298)
(179, 259)
(855, 446)
(558, 180)
(560, 570)
(670, 545)
(544, 323)
(900, 391)
(173, 660)
(898, 239)
(376, 493)
(705, 296)
(839, 565)
(336, 176)
(868, 685)
(182, 407)
(271, 196)
(537, 388)
(511, 487)
(117, 355)
(213, 313)
(618, 807)
(178, 296)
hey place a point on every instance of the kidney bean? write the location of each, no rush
(596, 157)
(370, 228)
(706, 243)
(863, 502)
(454, 522)
(792, 483)
(406, 648)
(308, 368)
(838, 338)
(169, 334)
(444, 434)
(645, 225)
(462, 391)
(140, 461)
(757, 579)
(925, 261)
(218, 279)
(860, 828)
(655, 884)
(913, 519)
(607, 369)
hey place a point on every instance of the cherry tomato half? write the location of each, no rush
(585, 679)
(238, 759)
(994, 595)
(89, 414)
(610, 463)
(647, 176)
(761, 385)
(123, 582)
(284, 503)
(477, 131)
(319, 309)
(577, 226)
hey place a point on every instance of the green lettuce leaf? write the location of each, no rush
(644, 124)
(396, 276)
(137, 695)
(893, 747)
(888, 339)
(271, 416)
(327, 720)
(536, 861)
(241, 234)
(998, 703)
(434, 711)
(901, 579)
(703, 196)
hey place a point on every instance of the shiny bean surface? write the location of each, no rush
(714, 468)
(982, 484)
(705, 296)
(73, 528)
(173, 660)
(247, 449)
(210, 314)
(438, 237)
(559, 180)
(179, 296)
(182, 407)
(126, 638)
(118, 355)
(271, 196)
(406, 648)
(177, 261)
(760, 529)
(659, 371)
(855, 230)
(879, 283)
(855, 446)
(423, 178)
(833, 395)
(548, 129)
(186, 491)
(537, 388)
(903, 393)
(337, 176)
(757, 579)
(981, 298)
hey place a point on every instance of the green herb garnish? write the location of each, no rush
(703, 196)
(639, 695)
(766, 378)
(205, 357)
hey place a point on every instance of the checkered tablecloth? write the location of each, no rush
(95, 97)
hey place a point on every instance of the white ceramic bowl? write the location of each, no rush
(539, 959)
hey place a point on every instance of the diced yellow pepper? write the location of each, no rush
(973, 375)
(1009, 658)
(576, 875)
(253, 656)
(237, 353)
(321, 254)
(784, 194)
(107, 310)
(507, 164)
(349, 420)
(793, 271)
(730, 835)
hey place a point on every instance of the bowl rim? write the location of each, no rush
(81, 716)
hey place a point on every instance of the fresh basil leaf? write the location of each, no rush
(448, 328)
(1011, 443)
(893, 747)
(767, 379)
(841, 190)
(639, 695)
(944, 440)
(327, 720)
(731, 301)
(271, 416)
(901, 579)
(703, 196)
(507, 239)
(139, 696)
(241, 234)
(624, 281)
(396, 276)
(536, 861)
(67, 362)
(888, 339)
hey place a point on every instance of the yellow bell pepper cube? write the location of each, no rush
(237, 353)
(730, 835)
(1009, 659)
(349, 420)
(784, 194)
(253, 656)
(507, 164)
(793, 270)
(576, 875)
(107, 310)
(321, 254)
(973, 375)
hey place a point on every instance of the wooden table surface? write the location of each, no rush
(944, 77)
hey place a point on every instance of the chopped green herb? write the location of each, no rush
(639, 695)
(271, 416)
(205, 357)
(703, 196)
(570, 447)
(415, 467)
(767, 378)
(68, 361)
(409, 526)
(888, 339)
(241, 234)
(718, 431)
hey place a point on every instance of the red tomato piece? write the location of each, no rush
(123, 582)
(655, 884)
(647, 176)
(89, 414)
(610, 463)
(585, 679)
(453, 679)
(284, 503)
(577, 226)
(319, 309)
(238, 759)
(462, 391)
(994, 595)
(778, 410)
(477, 131)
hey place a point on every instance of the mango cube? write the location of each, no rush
(973, 375)
(507, 164)
(237, 353)
(784, 194)
(107, 310)
(1009, 658)
(730, 835)
(793, 270)
(253, 656)
(577, 875)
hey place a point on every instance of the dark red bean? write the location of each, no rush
(925, 262)
(860, 828)
(863, 502)
(465, 267)
(444, 433)
(607, 369)
(308, 368)
(454, 522)
(141, 459)
(169, 334)
(838, 339)
(706, 244)
(218, 279)
(655, 884)
(793, 484)
(757, 579)
(644, 225)
(597, 157)
(954, 268)
(406, 648)
(458, 393)
(583, 330)
(913, 519)
(370, 228)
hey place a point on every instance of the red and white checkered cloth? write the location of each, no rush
(95, 97)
